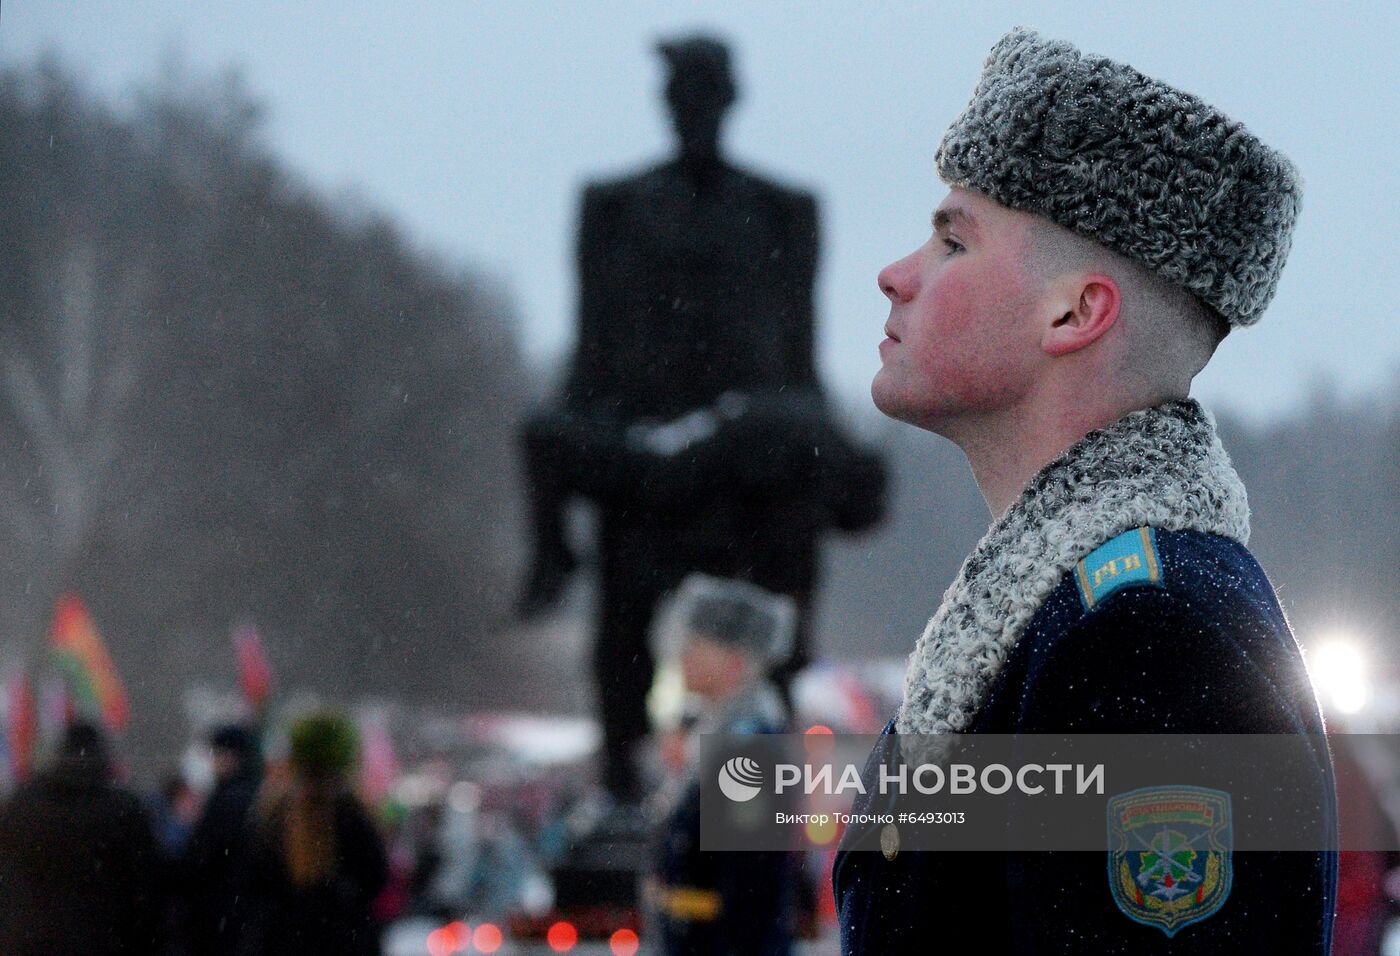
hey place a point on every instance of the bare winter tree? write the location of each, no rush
(69, 387)
(222, 397)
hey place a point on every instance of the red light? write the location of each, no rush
(459, 935)
(624, 943)
(487, 938)
(439, 944)
(819, 740)
(562, 936)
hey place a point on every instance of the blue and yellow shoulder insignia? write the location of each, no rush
(1128, 560)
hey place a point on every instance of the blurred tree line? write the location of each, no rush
(224, 397)
(1324, 491)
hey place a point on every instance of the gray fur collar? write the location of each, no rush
(1162, 466)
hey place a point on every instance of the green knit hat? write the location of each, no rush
(323, 743)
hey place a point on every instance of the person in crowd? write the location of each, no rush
(317, 861)
(216, 853)
(80, 869)
(727, 634)
(174, 809)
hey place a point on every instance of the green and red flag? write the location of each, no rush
(94, 686)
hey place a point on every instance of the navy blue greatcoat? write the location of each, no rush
(718, 903)
(1202, 648)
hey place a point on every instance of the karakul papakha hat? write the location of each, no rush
(1147, 170)
(733, 613)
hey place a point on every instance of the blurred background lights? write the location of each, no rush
(438, 943)
(624, 943)
(1340, 672)
(487, 938)
(459, 935)
(819, 831)
(562, 936)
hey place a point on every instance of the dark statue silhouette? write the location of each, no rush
(691, 414)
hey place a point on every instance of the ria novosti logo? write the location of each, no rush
(740, 779)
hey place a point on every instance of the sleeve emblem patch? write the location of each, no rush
(1169, 855)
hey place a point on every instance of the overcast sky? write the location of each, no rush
(473, 124)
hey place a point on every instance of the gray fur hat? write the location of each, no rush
(1140, 167)
(734, 613)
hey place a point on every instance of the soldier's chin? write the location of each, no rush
(887, 398)
(905, 408)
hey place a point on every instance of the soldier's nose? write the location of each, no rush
(897, 281)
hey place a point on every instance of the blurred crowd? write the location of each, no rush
(295, 841)
(282, 846)
(267, 862)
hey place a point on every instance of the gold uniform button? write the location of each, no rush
(889, 841)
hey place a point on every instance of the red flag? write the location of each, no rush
(864, 716)
(379, 765)
(254, 672)
(96, 689)
(23, 728)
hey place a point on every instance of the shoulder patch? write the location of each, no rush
(1169, 855)
(1128, 560)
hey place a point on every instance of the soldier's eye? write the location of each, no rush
(952, 245)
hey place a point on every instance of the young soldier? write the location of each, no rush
(1103, 233)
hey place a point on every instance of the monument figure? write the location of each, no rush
(691, 414)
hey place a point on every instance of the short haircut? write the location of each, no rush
(1153, 307)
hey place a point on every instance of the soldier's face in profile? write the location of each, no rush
(961, 343)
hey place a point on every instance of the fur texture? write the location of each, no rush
(1145, 169)
(1161, 466)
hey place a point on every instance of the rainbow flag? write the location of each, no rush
(95, 688)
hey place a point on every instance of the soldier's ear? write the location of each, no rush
(1079, 310)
